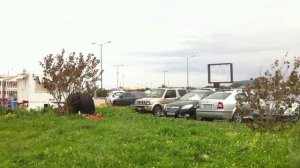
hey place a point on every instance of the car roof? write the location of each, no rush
(117, 91)
(201, 91)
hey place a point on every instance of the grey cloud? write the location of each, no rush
(214, 49)
(215, 45)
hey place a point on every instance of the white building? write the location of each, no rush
(30, 89)
(8, 87)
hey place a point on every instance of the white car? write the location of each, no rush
(290, 113)
(111, 96)
(221, 105)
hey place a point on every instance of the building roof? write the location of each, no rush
(8, 78)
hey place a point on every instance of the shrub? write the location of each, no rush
(273, 94)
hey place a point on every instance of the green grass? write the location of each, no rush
(124, 138)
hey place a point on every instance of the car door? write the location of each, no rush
(126, 98)
(130, 99)
(170, 96)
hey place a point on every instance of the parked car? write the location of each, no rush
(157, 98)
(112, 95)
(128, 98)
(290, 113)
(187, 104)
(221, 105)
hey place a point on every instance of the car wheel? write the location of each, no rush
(176, 115)
(237, 117)
(207, 119)
(295, 117)
(157, 110)
(193, 115)
(198, 118)
(87, 104)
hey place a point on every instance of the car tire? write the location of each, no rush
(237, 117)
(207, 119)
(87, 104)
(296, 116)
(157, 110)
(193, 115)
(176, 115)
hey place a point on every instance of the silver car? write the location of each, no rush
(221, 105)
(290, 113)
(156, 100)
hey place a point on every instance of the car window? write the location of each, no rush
(170, 94)
(127, 95)
(218, 95)
(241, 96)
(157, 93)
(192, 96)
(182, 92)
(139, 94)
(118, 93)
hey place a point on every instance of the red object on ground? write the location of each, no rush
(95, 116)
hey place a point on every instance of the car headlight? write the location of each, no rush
(187, 106)
(148, 103)
(167, 107)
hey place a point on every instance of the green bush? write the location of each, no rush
(101, 92)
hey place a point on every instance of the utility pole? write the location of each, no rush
(260, 71)
(118, 73)
(123, 80)
(165, 78)
(101, 67)
(187, 69)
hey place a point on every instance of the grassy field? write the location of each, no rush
(124, 138)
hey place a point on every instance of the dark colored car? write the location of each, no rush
(128, 98)
(187, 104)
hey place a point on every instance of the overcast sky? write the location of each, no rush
(151, 36)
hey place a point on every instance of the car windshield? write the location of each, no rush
(157, 93)
(193, 96)
(118, 93)
(218, 95)
(140, 94)
(126, 94)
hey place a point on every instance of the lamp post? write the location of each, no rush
(101, 70)
(165, 78)
(118, 73)
(187, 69)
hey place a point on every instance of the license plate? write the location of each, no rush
(171, 112)
(209, 106)
(139, 108)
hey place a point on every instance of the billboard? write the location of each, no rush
(220, 73)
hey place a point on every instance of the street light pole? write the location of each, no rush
(165, 78)
(187, 69)
(118, 73)
(101, 69)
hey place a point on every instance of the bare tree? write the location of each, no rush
(66, 75)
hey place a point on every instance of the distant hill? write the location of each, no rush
(242, 83)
